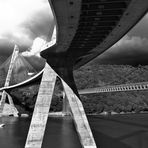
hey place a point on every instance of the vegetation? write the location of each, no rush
(89, 76)
(95, 75)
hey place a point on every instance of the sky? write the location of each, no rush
(28, 23)
(24, 22)
(132, 49)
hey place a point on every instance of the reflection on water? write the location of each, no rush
(14, 133)
(118, 131)
(60, 133)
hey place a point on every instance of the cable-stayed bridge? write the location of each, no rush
(22, 70)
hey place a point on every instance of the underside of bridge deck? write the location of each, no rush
(86, 28)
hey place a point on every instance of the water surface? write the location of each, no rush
(118, 131)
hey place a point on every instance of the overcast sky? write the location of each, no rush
(131, 49)
(22, 21)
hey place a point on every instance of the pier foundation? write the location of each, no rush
(66, 108)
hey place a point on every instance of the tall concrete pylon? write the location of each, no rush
(8, 77)
(79, 117)
(41, 111)
(14, 111)
(66, 108)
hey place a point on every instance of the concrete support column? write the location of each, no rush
(41, 110)
(66, 107)
(80, 119)
(13, 108)
(71, 103)
(2, 102)
(3, 98)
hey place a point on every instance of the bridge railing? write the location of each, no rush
(116, 88)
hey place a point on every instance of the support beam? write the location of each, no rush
(13, 108)
(3, 98)
(80, 119)
(66, 108)
(41, 110)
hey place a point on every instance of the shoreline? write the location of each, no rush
(115, 113)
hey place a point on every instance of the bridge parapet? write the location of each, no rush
(116, 88)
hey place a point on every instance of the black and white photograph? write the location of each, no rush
(73, 73)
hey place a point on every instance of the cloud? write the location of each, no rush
(129, 50)
(128, 41)
(34, 19)
(25, 21)
(38, 43)
(141, 28)
(32, 55)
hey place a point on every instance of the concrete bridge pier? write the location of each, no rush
(41, 110)
(8, 77)
(80, 119)
(71, 104)
(10, 109)
(13, 108)
(66, 108)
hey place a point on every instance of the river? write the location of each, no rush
(116, 131)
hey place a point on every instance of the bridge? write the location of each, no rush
(116, 88)
(84, 29)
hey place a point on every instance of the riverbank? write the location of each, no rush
(115, 113)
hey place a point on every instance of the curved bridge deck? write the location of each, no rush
(86, 28)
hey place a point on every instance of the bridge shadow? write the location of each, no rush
(105, 141)
(120, 131)
(128, 119)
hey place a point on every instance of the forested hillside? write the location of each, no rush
(89, 76)
(95, 75)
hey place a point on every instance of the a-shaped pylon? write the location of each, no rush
(41, 110)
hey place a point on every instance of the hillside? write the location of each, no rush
(21, 70)
(95, 75)
(88, 76)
